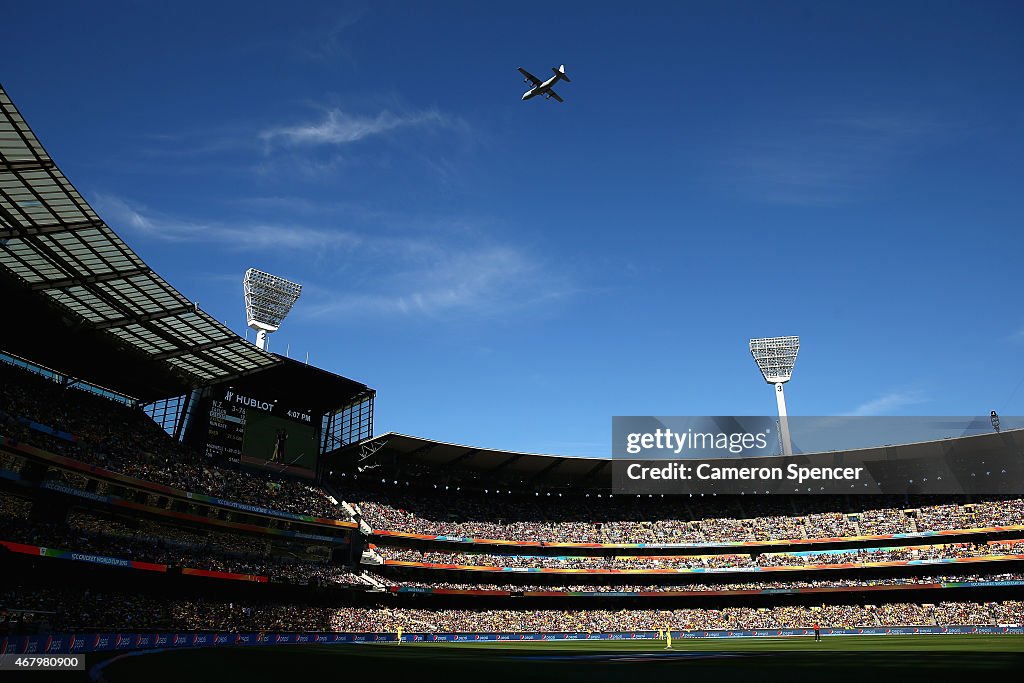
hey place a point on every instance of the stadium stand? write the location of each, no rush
(85, 533)
(123, 439)
(644, 520)
(851, 556)
(68, 611)
(850, 582)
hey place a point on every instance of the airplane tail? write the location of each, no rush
(560, 72)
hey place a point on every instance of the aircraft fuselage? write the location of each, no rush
(542, 88)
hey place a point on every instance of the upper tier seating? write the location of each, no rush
(124, 439)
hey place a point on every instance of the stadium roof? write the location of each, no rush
(74, 284)
(400, 451)
(983, 464)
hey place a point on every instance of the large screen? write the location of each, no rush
(261, 433)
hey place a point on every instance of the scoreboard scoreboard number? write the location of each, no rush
(225, 430)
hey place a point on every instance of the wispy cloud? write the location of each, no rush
(888, 403)
(435, 268)
(486, 279)
(237, 236)
(340, 128)
(825, 160)
(331, 142)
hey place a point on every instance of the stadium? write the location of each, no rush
(137, 517)
(180, 503)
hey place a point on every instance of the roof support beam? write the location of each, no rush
(422, 450)
(138, 319)
(505, 463)
(463, 457)
(553, 465)
(593, 471)
(89, 279)
(22, 231)
(198, 349)
(26, 164)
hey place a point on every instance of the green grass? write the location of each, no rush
(849, 658)
(929, 643)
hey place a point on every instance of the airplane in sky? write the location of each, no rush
(544, 88)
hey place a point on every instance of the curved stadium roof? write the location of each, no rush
(78, 284)
(985, 464)
(397, 451)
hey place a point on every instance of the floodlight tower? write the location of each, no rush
(776, 356)
(268, 299)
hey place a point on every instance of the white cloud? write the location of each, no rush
(435, 279)
(340, 128)
(886, 404)
(429, 269)
(243, 236)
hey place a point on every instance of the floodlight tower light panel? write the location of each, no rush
(776, 357)
(268, 300)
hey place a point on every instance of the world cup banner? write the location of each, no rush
(830, 455)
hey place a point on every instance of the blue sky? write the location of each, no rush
(511, 274)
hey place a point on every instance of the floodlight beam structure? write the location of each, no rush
(775, 357)
(268, 300)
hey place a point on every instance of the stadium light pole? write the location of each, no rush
(268, 299)
(776, 356)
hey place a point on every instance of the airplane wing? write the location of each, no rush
(552, 93)
(530, 77)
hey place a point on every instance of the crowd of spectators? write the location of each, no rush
(731, 561)
(13, 508)
(725, 586)
(147, 541)
(834, 616)
(625, 519)
(124, 439)
(26, 611)
(65, 610)
(148, 531)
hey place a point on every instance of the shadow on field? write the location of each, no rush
(592, 661)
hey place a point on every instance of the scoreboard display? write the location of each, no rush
(261, 433)
(225, 430)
